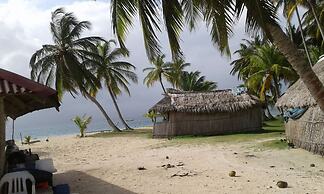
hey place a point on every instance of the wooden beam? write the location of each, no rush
(2, 136)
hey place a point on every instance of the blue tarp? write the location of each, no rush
(294, 113)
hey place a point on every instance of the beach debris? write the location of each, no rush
(282, 184)
(291, 145)
(168, 166)
(248, 180)
(47, 140)
(235, 153)
(272, 166)
(183, 174)
(250, 156)
(291, 168)
(167, 157)
(232, 173)
(180, 164)
(141, 168)
(269, 187)
(312, 165)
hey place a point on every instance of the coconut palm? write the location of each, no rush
(312, 6)
(160, 69)
(113, 72)
(288, 9)
(268, 67)
(192, 81)
(311, 27)
(60, 64)
(175, 71)
(247, 49)
(82, 123)
(218, 15)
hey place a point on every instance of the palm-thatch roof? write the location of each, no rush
(298, 95)
(205, 102)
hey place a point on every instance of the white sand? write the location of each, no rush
(109, 165)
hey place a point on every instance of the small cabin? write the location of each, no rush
(206, 113)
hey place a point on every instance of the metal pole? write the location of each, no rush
(13, 129)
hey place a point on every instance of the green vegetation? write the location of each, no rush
(82, 123)
(142, 132)
(175, 74)
(113, 72)
(271, 130)
(27, 139)
(272, 144)
(261, 17)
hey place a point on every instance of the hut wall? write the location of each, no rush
(308, 131)
(180, 123)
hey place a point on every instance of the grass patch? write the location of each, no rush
(141, 132)
(272, 144)
(271, 129)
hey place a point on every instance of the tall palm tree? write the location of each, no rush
(311, 27)
(192, 81)
(175, 71)
(113, 72)
(218, 15)
(160, 69)
(60, 64)
(288, 9)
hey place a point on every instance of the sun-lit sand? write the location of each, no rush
(110, 165)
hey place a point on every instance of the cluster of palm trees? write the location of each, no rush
(261, 17)
(82, 65)
(174, 72)
(263, 68)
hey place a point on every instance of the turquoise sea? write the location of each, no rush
(67, 128)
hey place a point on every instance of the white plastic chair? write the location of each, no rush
(17, 182)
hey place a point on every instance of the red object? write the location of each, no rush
(43, 185)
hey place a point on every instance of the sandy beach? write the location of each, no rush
(110, 165)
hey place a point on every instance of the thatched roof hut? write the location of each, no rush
(307, 131)
(206, 113)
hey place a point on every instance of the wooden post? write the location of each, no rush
(2, 136)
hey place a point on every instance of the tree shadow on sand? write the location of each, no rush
(83, 183)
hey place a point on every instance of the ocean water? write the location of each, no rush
(68, 128)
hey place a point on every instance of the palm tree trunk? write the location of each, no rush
(298, 62)
(2, 137)
(303, 38)
(118, 110)
(109, 121)
(290, 30)
(278, 94)
(160, 79)
(316, 19)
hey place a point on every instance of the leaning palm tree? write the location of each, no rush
(60, 64)
(113, 72)
(175, 71)
(193, 82)
(160, 69)
(288, 8)
(219, 17)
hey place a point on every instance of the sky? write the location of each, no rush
(25, 28)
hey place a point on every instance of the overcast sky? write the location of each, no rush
(25, 27)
